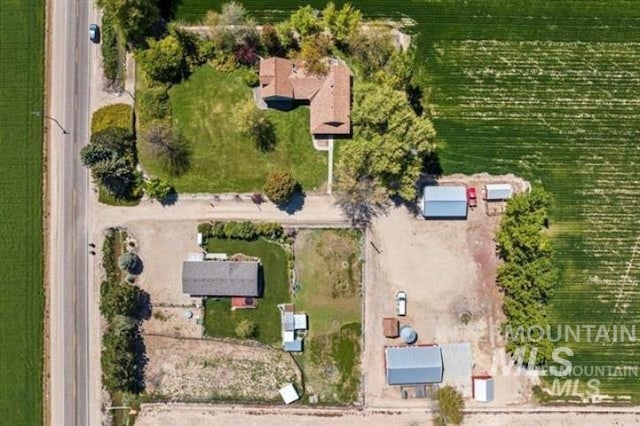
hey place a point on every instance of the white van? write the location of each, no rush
(401, 303)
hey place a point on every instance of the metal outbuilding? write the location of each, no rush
(444, 202)
(483, 389)
(413, 365)
(497, 191)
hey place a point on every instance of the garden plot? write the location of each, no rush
(565, 114)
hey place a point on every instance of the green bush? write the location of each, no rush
(280, 187)
(205, 229)
(115, 115)
(119, 299)
(450, 407)
(119, 358)
(153, 104)
(240, 230)
(217, 231)
(130, 262)
(251, 78)
(269, 230)
(158, 189)
(246, 329)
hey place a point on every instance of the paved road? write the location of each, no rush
(68, 183)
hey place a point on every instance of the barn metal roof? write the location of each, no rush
(444, 202)
(411, 365)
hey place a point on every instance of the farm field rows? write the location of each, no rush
(21, 299)
(551, 91)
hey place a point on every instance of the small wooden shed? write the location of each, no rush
(390, 327)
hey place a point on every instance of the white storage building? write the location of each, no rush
(483, 389)
(498, 191)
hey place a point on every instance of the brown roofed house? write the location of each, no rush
(285, 82)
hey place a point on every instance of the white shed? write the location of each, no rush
(498, 191)
(289, 394)
(483, 388)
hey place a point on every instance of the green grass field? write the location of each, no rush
(329, 273)
(549, 90)
(21, 303)
(221, 321)
(204, 109)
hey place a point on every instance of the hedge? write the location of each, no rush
(116, 115)
(240, 230)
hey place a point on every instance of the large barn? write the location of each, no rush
(413, 365)
(444, 202)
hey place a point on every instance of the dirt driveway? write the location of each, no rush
(448, 270)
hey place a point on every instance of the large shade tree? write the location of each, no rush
(390, 142)
(135, 18)
(169, 146)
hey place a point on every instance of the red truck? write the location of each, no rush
(472, 200)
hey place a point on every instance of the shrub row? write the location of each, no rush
(120, 304)
(108, 255)
(240, 230)
(109, 44)
(527, 276)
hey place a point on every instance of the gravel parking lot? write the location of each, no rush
(448, 270)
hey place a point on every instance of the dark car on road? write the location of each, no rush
(94, 33)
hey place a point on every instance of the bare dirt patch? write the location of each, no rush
(163, 246)
(202, 369)
(175, 322)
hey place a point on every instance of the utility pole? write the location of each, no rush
(40, 114)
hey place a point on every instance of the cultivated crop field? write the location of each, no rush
(549, 90)
(21, 292)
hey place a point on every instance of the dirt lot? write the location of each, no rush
(447, 269)
(163, 246)
(188, 369)
(224, 415)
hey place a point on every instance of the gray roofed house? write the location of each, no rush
(220, 278)
(413, 365)
(444, 202)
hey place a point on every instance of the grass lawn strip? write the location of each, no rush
(204, 110)
(22, 300)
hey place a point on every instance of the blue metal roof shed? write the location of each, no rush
(444, 202)
(413, 365)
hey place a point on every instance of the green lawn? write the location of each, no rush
(549, 90)
(21, 303)
(204, 109)
(329, 273)
(220, 321)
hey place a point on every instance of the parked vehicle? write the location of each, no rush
(94, 33)
(401, 303)
(472, 199)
